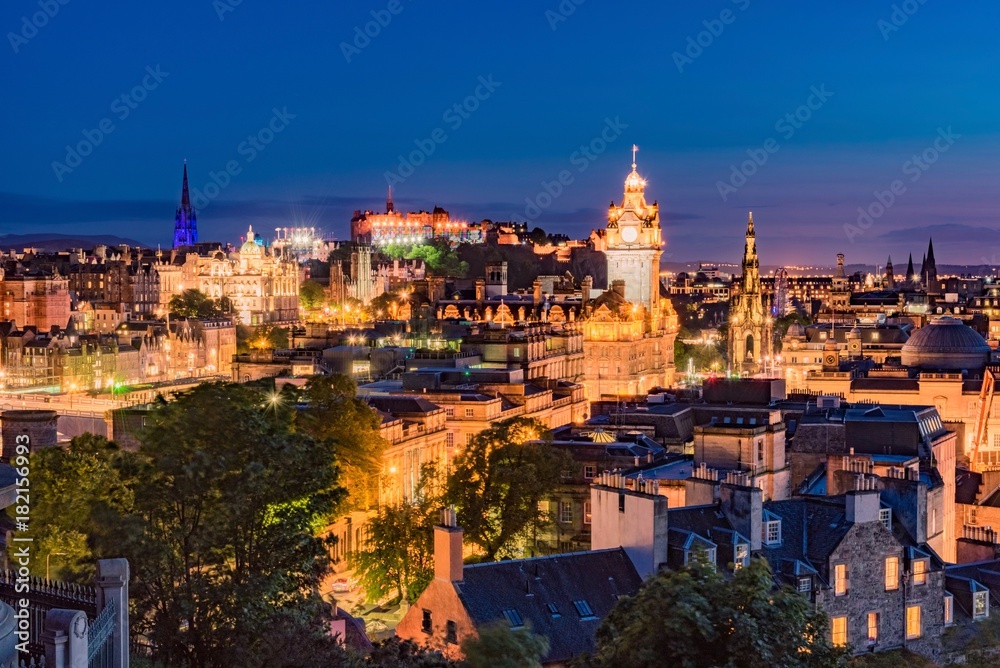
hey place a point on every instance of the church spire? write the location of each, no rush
(185, 219)
(185, 194)
(909, 268)
(389, 205)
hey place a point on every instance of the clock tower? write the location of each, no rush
(634, 244)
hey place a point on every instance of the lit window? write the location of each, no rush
(839, 628)
(872, 628)
(840, 579)
(980, 605)
(587, 512)
(949, 609)
(740, 556)
(919, 572)
(891, 573)
(913, 622)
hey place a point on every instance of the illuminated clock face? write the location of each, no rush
(830, 359)
(629, 234)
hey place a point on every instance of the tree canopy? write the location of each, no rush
(224, 533)
(312, 295)
(500, 646)
(194, 303)
(498, 480)
(697, 618)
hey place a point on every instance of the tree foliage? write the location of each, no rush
(334, 414)
(66, 485)
(223, 535)
(196, 304)
(398, 558)
(498, 480)
(499, 646)
(312, 295)
(264, 337)
(439, 256)
(696, 618)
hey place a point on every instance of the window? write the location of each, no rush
(949, 609)
(621, 502)
(553, 610)
(891, 573)
(451, 632)
(469, 412)
(566, 511)
(426, 624)
(583, 608)
(919, 571)
(872, 628)
(839, 628)
(587, 512)
(772, 532)
(885, 517)
(513, 618)
(449, 439)
(449, 412)
(980, 605)
(740, 556)
(913, 622)
(805, 585)
(588, 472)
(840, 579)
(760, 450)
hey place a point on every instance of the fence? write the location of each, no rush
(73, 625)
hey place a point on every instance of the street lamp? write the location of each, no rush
(49, 556)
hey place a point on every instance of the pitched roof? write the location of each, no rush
(544, 592)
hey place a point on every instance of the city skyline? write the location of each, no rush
(314, 128)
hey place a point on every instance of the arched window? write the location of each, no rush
(749, 347)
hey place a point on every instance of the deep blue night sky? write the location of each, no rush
(557, 88)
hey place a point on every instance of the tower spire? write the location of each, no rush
(185, 194)
(635, 149)
(185, 219)
(389, 205)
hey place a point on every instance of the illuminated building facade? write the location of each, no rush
(415, 227)
(750, 339)
(629, 331)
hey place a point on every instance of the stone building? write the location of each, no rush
(37, 299)
(562, 597)
(882, 588)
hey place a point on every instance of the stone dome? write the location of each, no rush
(946, 344)
(796, 329)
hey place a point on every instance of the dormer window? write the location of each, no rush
(771, 529)
(919, 567)
(805, 585)
(980, 605)
(741, 556)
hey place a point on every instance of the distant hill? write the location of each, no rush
(58, 242)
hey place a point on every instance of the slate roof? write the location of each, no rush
(967, 486)
(397, 405)
(530, 586)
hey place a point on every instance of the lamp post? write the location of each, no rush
(49, 556)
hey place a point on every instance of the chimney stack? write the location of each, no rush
(448, 548)
(863, 502)
(743, 506)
